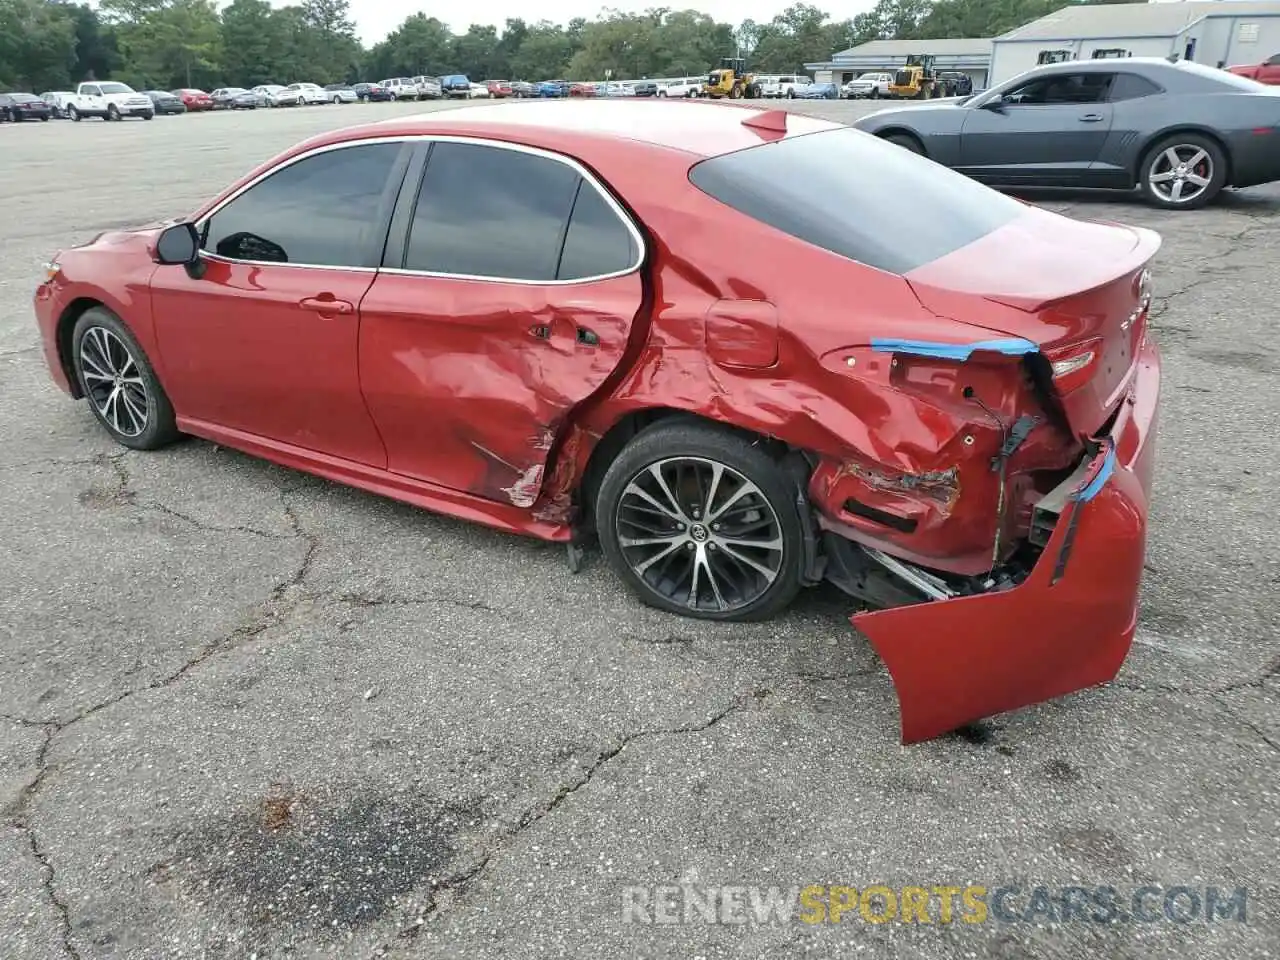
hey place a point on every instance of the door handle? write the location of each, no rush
(329, 304)
(1091, 118)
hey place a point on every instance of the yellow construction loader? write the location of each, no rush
(917, 80)
(731, 80)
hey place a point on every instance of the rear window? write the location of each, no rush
(858, 196)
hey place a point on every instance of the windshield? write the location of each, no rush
(115, 88)
(858, 196)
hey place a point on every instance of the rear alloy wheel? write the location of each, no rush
(118, 380)
(701, 522)
(1183, 172)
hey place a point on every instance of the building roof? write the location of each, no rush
(901, 48)
(1121, 20)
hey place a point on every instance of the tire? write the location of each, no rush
(874, 94)
(906, 141)
(662, 93)
(102, 344)
(112, 112)
(695, 451)
(148, 116)
(15, 116)
(74, 114)
(45, 118)
(1198, 156)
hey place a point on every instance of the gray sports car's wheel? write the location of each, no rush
(906, 142)
(701, 522)
(1183, 171)
(119, 383)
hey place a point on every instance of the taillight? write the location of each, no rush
(1073, 366)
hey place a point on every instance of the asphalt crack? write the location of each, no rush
(1207, 273)
(457, 882)
(276, 607)
(1247, 723)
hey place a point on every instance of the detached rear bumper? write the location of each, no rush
(1067, 627)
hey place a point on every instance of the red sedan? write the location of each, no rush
(194, 100)
(748, 350)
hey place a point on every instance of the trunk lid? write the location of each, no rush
(1079, 291)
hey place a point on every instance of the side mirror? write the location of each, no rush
(995, 103)
(178, 244)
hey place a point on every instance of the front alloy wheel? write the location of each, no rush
(119, 383)
(702, 523)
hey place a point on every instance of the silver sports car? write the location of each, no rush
(1177, 131)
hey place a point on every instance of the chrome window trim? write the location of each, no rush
(573, 164)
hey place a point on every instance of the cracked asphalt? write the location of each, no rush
(247, 713)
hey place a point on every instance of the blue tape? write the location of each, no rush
(1012, 346)
(1091, 489)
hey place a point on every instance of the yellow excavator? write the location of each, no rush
(917, 79)
(731, 80)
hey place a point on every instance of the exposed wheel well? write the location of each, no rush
(902, 132)
(1165, 134)
(66, 324)
(621, 433)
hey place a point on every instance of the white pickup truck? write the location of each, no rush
(110, 101)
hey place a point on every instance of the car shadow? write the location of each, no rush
(1251, 201)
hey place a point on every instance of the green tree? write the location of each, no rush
(37, 45)
(252, 42)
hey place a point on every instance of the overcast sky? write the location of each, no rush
(376, 18)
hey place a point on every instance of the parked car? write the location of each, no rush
(818, 91)
(720, 472)
(688, 87)
(373, 92)
(956, 84)
(793, 86)
(500, 89)
(1268, 71)
(275, 95)
(428, 88)
(401, 88)
(165, 102)
(195, 100)
(478, 91)
(522, 89)
(341, 93)
(1178, 132)
(236, 98)
(57, 101)
(309, 94)
(582, 89)
(868, 86)
(645, 88)
(110, 101)
(553, 89)
(455, 85)
(16, 107)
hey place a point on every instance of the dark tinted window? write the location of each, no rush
(1130, 86)
(490, 212)
(319, 211)
(858, 196)
(597, 242)
(1059, 88)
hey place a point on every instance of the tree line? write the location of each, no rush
(54, 44)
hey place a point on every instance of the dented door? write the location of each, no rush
(469, 382)
(511, 285)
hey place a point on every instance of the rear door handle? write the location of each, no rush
(1091, 118)
(329, 304)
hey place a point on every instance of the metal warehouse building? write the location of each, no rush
(971, 57)
(1221, 33)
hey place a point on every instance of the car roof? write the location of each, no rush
(700, 127)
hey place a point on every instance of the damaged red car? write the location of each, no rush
(749, 351)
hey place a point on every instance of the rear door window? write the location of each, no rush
(486, 211)
(857, 196)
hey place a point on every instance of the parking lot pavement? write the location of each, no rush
(247, 712)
